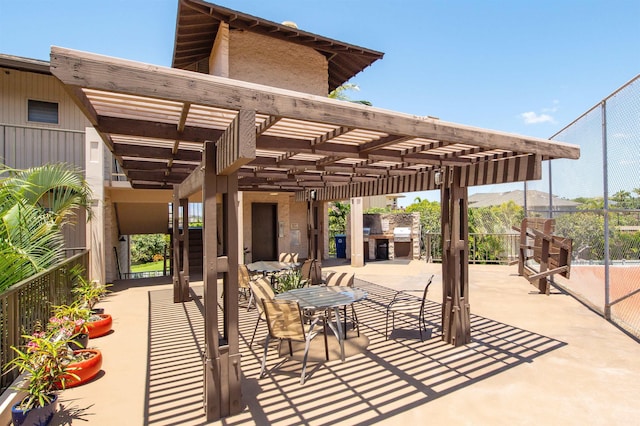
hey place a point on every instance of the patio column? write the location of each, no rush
(456, 326)
(180, 278)
(313, 234)
(357, 243)
(221, 162)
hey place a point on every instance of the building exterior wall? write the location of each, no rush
(25, 144)
(260, 59)
(292, 215)
(19, 86)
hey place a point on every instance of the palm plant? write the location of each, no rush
(34, 205)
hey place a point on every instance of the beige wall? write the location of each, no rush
(17, 87)
(25, 144)
(292, 214)
(260, 59)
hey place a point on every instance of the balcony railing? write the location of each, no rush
(29, 302)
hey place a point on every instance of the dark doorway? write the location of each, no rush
(264, 237)
(402, 249)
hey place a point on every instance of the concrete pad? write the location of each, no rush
(533, 359)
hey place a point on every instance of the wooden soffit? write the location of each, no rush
(155, 120)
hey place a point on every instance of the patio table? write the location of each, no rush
(271, 268)
(323, 298)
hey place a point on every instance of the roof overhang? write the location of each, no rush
(155, 121)
(24, 64)
(198, 22)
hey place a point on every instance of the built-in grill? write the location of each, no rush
(402, 235)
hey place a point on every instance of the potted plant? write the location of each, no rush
(43, 359)
(72, 321)
(290, 280)
(88, 292)
(95, 325)
(83, 364)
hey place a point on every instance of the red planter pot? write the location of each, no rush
(85, 370)
(100, 327)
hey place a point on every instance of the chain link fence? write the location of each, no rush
(605, 221)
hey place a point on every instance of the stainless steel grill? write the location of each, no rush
(402, 235)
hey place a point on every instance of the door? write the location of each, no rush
(264, 236)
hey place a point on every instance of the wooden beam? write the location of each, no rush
(510, 169)
(237, 145)
(154, 129)
(89, 70)
(193, 183)
(126, 150)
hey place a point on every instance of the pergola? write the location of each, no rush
(192, 132)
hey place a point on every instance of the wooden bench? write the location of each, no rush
(541, 253)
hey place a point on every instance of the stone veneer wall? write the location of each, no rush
(260, 59)
(391, 221)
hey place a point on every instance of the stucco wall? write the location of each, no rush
(259, 59)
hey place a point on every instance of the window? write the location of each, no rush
(42, 112)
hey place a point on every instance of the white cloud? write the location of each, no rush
(535, 118)
(544, 116)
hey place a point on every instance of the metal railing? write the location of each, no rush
(498, 248)
(27, 303)
(145, 274)
(483, 248)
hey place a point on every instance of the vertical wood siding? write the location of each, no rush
(16, 87)
(25, 144)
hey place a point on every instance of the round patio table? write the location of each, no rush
(271, 268)
(323, 298)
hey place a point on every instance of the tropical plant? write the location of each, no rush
(88, 292)
(340, 93)
(34, 206)
(72, 318)
(44, 358)
(290, 280)
(144, 248)
(338, 212)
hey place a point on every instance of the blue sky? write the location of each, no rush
(512, 65)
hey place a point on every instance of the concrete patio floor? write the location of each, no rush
(533, 359)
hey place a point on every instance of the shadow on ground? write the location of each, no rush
(380, 378)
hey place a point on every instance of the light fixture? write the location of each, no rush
(312, 194)
(437, 177)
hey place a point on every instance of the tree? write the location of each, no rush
(35, 204)
(338, 212)
(587, 231)
(429, 223)
(146, 247)
(340, 94)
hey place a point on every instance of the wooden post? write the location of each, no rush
(456, 323)
(233, 401)
(184, 273)
(222, 369)
(212, 380)
(177, 267)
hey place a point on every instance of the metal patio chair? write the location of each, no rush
(284, 320)
(406, 303)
